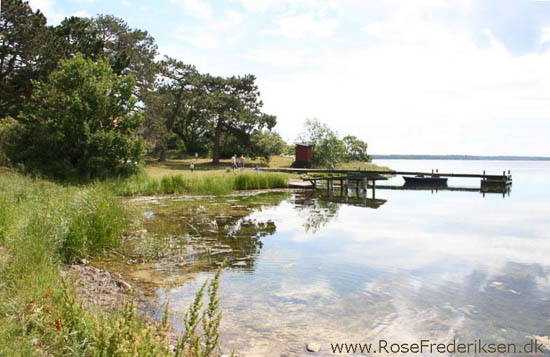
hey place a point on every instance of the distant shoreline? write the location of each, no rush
(461, 157)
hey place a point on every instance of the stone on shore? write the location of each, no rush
(313, 347)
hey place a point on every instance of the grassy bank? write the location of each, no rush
(44, 225)
(211, 183)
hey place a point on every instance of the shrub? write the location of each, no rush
(80, 123)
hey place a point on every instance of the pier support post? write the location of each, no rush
(347, 186)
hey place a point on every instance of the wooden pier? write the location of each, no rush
(360, 178)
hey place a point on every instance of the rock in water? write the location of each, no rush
(313, 347)
(124, 285)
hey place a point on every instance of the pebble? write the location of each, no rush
(124, 285)
(313, 347)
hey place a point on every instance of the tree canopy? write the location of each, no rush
(328, 149)
(208, 113)
(80, 122)
(204, 113)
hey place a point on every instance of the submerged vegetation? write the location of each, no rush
(42, 226)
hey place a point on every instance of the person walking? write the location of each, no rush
(234, 161)
(242, 161)
(192, 166)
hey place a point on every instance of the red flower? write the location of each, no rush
(48, 293)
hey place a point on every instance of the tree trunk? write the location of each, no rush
(217, 135)
(162, 156)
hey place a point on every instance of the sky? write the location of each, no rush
(408, 76)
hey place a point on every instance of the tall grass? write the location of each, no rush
(73, 222)
(142, 184)
(44, 224)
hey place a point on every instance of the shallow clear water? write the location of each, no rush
(423, 265)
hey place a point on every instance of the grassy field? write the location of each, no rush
(204, 166)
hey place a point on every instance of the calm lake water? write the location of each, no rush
(423, 265)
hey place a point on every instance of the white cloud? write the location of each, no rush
(215, 35)
(265, 5)
(545, 36)
(81, 13)
(424, 82)
(283, 58)
(195, 8)
(47, 7)
(301, 25)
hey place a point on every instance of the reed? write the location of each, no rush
(142, 184)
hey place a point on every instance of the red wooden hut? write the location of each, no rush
(303, 155)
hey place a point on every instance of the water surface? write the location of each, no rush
(422, 265)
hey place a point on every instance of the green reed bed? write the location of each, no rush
(217, 184)
(42, 226)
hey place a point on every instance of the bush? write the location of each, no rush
(327, 149)
(80, 123)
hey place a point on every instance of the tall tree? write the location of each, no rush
(129, 51)
(234, 107)
(76, 35)
(177, 96)
(22, 39)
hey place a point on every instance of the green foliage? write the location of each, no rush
(73, 36)
(327, 149)
(193, 342)
(129, 51)
(204, 111)
(23, 43)
(128, 335)
(95, 221)
(234, 107)
(250, 181)
(141, 184)
(38, 217)
(356, 149)
(81, 123)
(30, 50)
(266, 143)
(78, 222)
